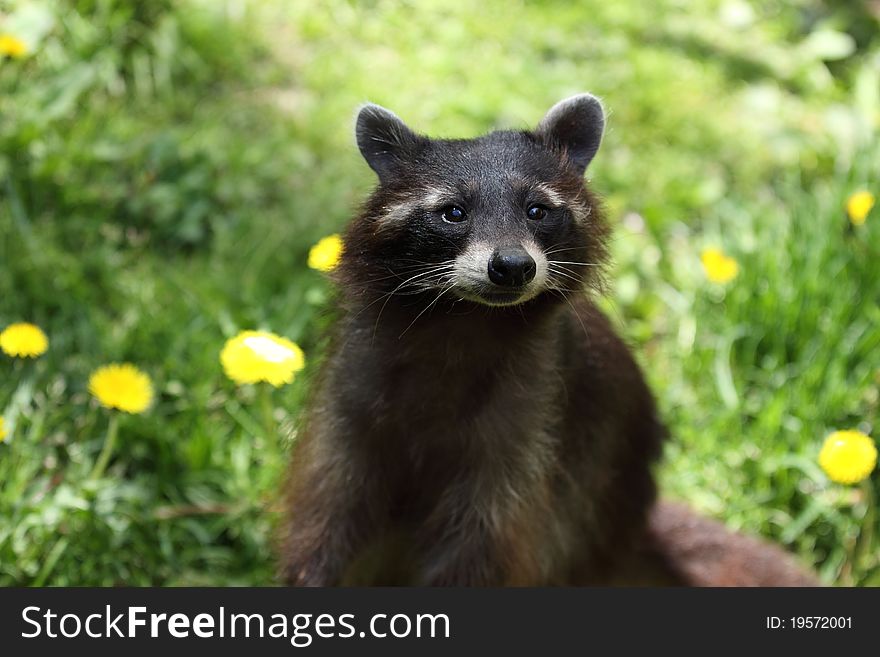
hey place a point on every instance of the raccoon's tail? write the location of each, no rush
(686, 549)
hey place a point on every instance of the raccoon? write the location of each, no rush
(477, 421)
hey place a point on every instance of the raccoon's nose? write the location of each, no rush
(511, 267)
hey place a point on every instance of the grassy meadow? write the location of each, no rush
(166, 166)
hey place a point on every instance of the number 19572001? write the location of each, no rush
(809, 623)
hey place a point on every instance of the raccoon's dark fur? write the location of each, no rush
(477, 421)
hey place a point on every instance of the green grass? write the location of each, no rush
(165, 167)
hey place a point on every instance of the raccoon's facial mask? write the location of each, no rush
(503, 217)
(492, 241)
(498, 247)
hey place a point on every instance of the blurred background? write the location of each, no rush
(166, 166)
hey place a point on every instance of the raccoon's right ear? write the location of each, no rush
(576, 124)
(383, 139)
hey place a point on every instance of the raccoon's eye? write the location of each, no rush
(536, 212)
(452, 214)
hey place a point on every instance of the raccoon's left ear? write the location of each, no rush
(576, 124)
(383, 139)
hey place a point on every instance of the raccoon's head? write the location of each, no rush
(498, 220)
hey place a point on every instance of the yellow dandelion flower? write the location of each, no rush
(324, 256)
(848, 457)
(858, 206)
(2, 429)
(254, 356)
(719, 267)
(23, 340)
(122, 386)
(12, 46)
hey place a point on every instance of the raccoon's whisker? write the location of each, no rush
(553, 264)
(448, 278)
(565, 274)
(409, 280)
(568, 262)
(404, 270)
(579, 318)
(423, 262)
(430, 268)
(380, 278)
(434, 270)
(434, 266)
(558, 278)
(444, 277)
(551, 250)
(576, 314)
(438, 277)
(564, 286)
(567, 290)
(426, 308)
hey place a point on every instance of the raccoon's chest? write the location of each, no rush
(428, 402)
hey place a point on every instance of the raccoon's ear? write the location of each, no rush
(383, 139)
(576, 124)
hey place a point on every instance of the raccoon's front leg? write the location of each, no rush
(480, 536)
(333, 510)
